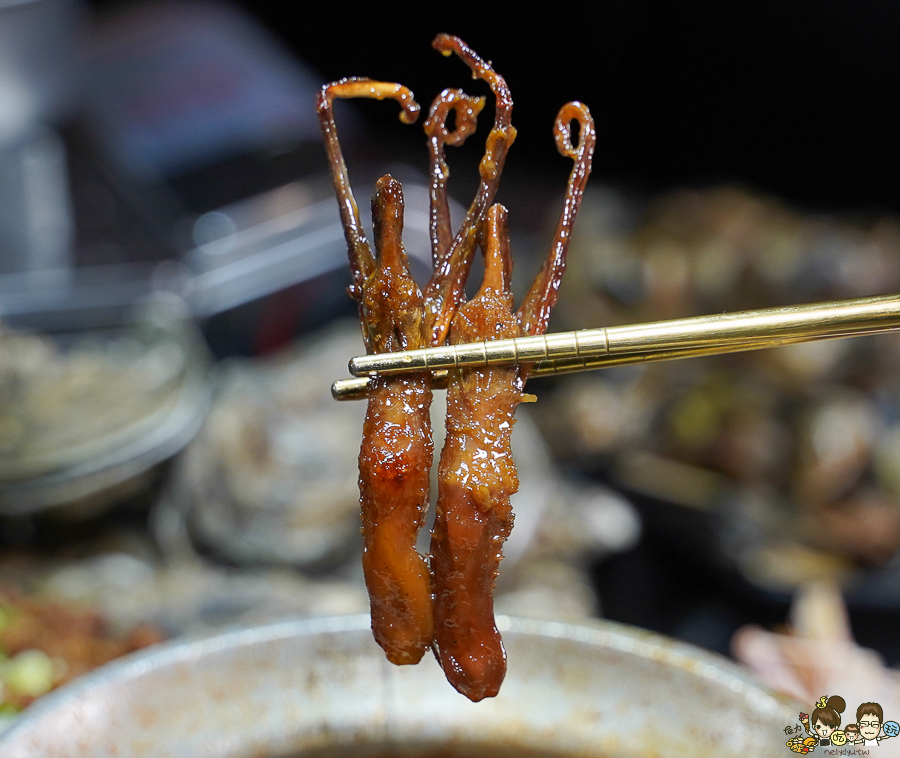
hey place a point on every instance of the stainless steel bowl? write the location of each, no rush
(284, 689)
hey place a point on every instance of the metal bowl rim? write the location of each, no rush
(599, 633)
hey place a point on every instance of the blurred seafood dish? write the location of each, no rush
(794, 449)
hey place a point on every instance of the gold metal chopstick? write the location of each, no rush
(723, 332)
(355, 388)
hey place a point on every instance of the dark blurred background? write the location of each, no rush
(793, 97)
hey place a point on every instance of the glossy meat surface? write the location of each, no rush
(394, 467)
(450, 607)
(477, 476)
(396, 454)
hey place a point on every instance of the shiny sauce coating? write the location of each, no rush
(477, 476)
(446, 603)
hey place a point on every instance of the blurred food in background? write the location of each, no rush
(189, 205)
(86, 418)
(795, 449)
(271, 477)
(258, 518)
(45, 644)
(817, 653)
(172, 204)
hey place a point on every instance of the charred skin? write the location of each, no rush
(394, 466)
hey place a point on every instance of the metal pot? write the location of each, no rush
(291, 687)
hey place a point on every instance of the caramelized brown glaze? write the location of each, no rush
(476, 478)
(397, 451)
(362, 259)
(465, 110)
(534, 312)
(397, 446)
(393, 481)
(477, 475)
(451, 265)
(395, 458)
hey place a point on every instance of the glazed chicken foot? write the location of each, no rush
(447, 605)
(477, 474)
(396, 452)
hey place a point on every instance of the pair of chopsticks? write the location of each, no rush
(566, 352)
